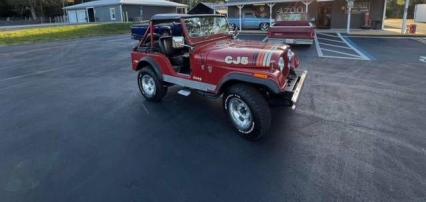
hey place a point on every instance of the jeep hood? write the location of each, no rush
(240, 53)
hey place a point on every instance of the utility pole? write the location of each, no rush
(404, 20)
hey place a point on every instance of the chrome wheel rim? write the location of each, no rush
(148, 85)
(240, 114)
(265, 27)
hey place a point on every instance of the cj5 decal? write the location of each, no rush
(237, 60)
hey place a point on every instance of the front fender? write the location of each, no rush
(237, 77)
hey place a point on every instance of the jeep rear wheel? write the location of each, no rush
(248, 111)
(150, 86)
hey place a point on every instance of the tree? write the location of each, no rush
(395, 8)
(5, 9)
(36, 8)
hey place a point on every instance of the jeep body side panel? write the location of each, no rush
(162, 66)
(156, 60)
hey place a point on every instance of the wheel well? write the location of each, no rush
(143, 64)
(262, 88)
(146, 64)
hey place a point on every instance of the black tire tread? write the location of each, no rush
(258, 105)
(161, 90)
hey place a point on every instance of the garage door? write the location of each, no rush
(81, 16)
(72, 16)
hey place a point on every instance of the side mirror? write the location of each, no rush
(178, 42)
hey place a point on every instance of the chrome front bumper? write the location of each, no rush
(296, 86)
(292, 92)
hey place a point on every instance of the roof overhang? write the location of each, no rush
(173, 16)
(251, 2)
(100, 3)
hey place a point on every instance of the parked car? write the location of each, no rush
(249, 76)
(137, 31)
(250, 21)
(293, 29)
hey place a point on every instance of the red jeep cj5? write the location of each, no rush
(199, 53)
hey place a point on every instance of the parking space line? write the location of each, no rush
(317, 46)
(324, 34)
(337, 46)
(332, 40)
(355, 49)
(343, 53)
(339, 57)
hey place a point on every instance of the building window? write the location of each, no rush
(112, 13)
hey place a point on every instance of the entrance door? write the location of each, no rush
(91, 13)
(324, 15)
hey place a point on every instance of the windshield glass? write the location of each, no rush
(206, 26)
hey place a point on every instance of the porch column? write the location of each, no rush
(240, 7)
(350, 6)
(121, 13)
(384, 14)
(307, 3)
(404, 19)
(270, 13)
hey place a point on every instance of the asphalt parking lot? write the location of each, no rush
(73, 127)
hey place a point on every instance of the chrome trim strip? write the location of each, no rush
(189, 83)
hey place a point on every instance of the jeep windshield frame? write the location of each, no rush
(205, 28)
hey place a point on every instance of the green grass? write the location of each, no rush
(47, 34)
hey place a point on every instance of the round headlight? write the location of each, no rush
(281, 63)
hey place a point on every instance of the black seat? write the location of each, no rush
(166, 45)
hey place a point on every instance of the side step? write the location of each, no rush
(184, 92)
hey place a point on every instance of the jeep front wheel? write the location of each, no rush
(248, 111)
(150, 86)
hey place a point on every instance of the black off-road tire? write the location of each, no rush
(160, 89)
(258, 106)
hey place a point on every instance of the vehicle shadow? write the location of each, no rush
(201, 117)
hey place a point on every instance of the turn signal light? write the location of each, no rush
(261, 76)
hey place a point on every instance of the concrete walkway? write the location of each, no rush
(392, 28)
(396, 24)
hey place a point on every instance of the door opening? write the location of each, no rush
(91, 14)
(324, 15)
